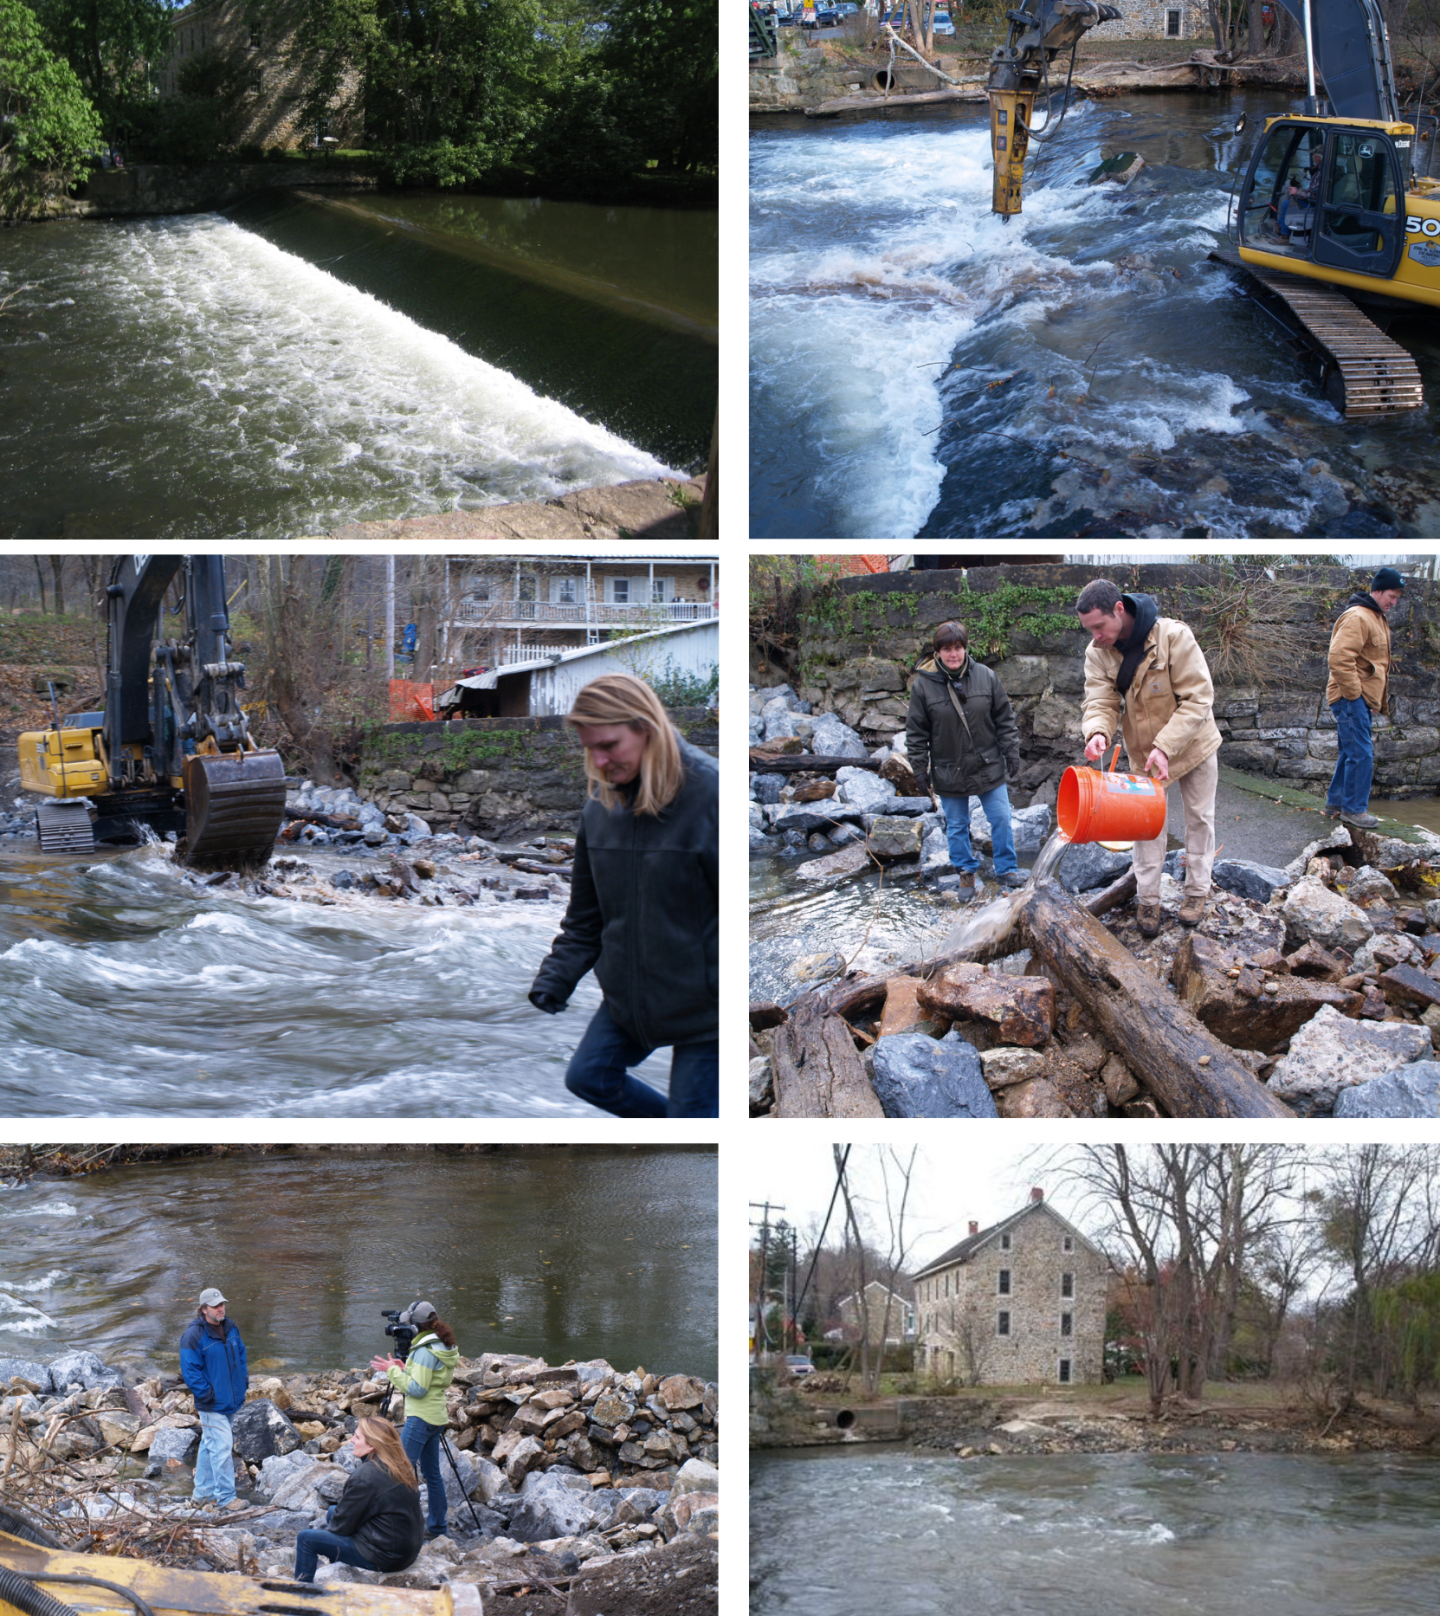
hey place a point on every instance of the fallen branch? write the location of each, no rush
(817, 1071)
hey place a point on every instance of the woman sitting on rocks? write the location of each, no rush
(377, 1525)
(644, 908)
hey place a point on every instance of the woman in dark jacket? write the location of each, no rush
(377, 1525)
(644, 908)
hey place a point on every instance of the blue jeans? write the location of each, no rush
(1350, 784)
(421, 1442)
(598, 1074)
(995, 804)
(215, 1464)
(317, 1544)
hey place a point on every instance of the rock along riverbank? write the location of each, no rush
(585, 1480)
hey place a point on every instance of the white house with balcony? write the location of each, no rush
(509, 610)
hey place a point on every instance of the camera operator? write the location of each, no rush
(423, 1378)
(377, 1524)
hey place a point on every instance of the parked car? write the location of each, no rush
(787, 19)
(828, 18)
(943, 25)
(798, 1364)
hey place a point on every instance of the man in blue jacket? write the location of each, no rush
(212, 1360)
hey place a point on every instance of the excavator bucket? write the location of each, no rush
(234, 807)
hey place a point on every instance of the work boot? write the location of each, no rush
(1360, 821)
(1331, 813)
(1147, 917)
(1193, 909)
(1013, 878)
(231, 1505)
(965, 887)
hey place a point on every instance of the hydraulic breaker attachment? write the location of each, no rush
(234, 807)
(1009, 141)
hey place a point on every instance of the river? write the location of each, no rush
(593, 1251)
(127, 990)
(304, 361)
(852, 1532)
(918, 367)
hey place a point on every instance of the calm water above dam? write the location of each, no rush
(857, 1531)
(921, 369)
(605, 1251)
(128, 990)
(302, 362)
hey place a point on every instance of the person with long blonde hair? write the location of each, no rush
(377, 1525)
(644, 908)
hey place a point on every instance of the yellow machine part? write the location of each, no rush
(62, 762)
(1415, 280)
(1010, 112)
(210, 1593)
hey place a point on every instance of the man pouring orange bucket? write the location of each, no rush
(1145, 675)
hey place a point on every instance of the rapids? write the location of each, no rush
(921, 370)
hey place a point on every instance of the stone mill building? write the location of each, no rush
(1020, 1303)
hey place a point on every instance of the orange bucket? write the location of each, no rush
(1097, 806)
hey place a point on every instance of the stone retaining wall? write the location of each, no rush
(862, 638)
(497, 777)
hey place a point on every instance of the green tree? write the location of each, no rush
(46, 123)
(663, 55)
(111, 44)
(1409, 1313)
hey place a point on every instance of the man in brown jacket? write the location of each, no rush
(1146, 674)
(1359, 681)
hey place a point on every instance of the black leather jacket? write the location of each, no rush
(644, 913)
(382, 1515)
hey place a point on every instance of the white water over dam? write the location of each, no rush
(184, 378)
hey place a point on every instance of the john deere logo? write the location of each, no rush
(1425, 254)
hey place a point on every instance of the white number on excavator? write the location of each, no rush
(1415, 225)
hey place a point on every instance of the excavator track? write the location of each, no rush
(1363, 372)
(234, 808)
(65, 827)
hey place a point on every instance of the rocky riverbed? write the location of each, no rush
(593, 1484)
(1322, 974)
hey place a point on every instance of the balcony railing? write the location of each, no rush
(577, 614)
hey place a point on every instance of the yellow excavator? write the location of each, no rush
(1336, 206)
(172, 750)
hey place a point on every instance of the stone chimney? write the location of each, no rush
(974, 1227)
(1037, 1194)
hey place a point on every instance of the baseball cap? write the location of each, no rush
(211, 1298)
(418, 1313)
(1387, 578)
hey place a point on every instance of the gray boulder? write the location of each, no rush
(1313, 913)
(174, 1442)
(781, 726)
(1410, 1091)
(1258, 882)
(865, 790)
(280, 1469)
(38, 1374)
(892, 837)
(808, 816)
(935, 852)
(831, 738)
(551, 1507)
(909, 807)
(760, 842)
(1030, 826)
(1087, 865)
(1331, 1053)
(457, 1491)
(767, 787)
(82, 1369)
(262, 1430)
(916, 1076)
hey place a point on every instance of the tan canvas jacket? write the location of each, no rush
(1360, 658)
(1170, 703)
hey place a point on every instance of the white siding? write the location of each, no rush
(692, 650)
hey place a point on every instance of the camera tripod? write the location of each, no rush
(445, 1449)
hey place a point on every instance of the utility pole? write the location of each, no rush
(390, 617)
(762, 1336)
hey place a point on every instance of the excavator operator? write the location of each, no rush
(1307, 193)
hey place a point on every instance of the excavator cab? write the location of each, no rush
(1325, 193)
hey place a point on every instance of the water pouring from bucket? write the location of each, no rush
(1098, 805)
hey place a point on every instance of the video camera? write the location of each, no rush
(401, 1329)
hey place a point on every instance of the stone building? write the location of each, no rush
(1162, 19)
(256, 42)
(1019, 1303)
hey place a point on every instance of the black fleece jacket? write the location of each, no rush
(645, 914)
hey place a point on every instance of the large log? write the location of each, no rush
(1162, 1043)
(818, 1072)
(807, 762)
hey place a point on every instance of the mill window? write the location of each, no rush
(1063, 1374)
(1172, 25)
(1067, 1324)
(1004, 1282)
(1002, 1322)
(1067, 1284)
